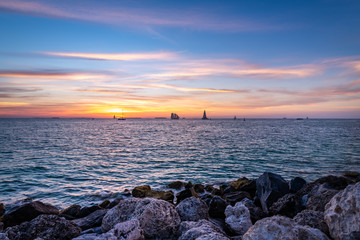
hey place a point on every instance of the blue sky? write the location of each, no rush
(151, 58)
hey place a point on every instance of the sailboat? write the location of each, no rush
(234, 117)
(204, 116)
(122, 116)
(174, 116)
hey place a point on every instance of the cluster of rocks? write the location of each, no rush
(266, 208)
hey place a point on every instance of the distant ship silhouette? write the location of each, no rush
(204, 116)
(174, 116)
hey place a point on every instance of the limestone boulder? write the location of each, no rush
(157, 218)
(270, 187)
(46, 227)
(192, 209)
(314, 219)
(342, 213)
(280, 227)
(202, 229)
(238, 218)
(256, 213)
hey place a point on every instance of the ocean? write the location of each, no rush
(68, 161)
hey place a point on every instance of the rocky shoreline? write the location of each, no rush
(265, 208)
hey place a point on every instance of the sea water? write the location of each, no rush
(68, 161)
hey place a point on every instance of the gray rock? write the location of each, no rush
(279, 227)
(270, 187)
(234, 197)
(314, 219)
(238, 218)
(256, 213)
(25, 211)
(90, 236)
(46, 227)
(317, 201)
(193, 209)
(92, 220)
(342, 213)
(3, 236)
(157, 218)
(194, 230)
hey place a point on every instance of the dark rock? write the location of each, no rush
(199, 188)
(216, 205)
(2, 209)
(314, 219)
(92, 220)
(46, 227)
(238, 184)
(188, 185)
(145, 191)
(71, 211)
(183, 195)
(296, 184)
(216, 191)
(350, 174)
(140, 191)
(209, 188)
(234, 197)
(256, 213)
(288, 205)
(87, 210)
(318, 201)
(126, 193)
(1, 226)
(192, 209)
(114, 202)
(26, 211)
(104, 204)
(334, 182)
(250, 188)
(176, 185)
(270, 187)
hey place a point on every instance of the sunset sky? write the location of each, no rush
(150, 58)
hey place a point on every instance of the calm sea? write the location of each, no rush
(67, 161)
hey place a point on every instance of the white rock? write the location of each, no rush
(157, 218)
(192, 209)
(238, 218)
(279, 227)
(203, 228)
(342, 213)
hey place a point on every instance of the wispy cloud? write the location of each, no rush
(196, 69)
(117, 56)
(127, 16)
(52, 74)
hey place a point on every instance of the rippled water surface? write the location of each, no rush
(66, 161)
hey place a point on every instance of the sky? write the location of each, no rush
(268, 59)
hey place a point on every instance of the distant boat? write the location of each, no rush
(244, 119)
(204, 116)
(234, 117)
(160, 117)
(174, 116)
(114, 117)
(122, 116)
(299, 119)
